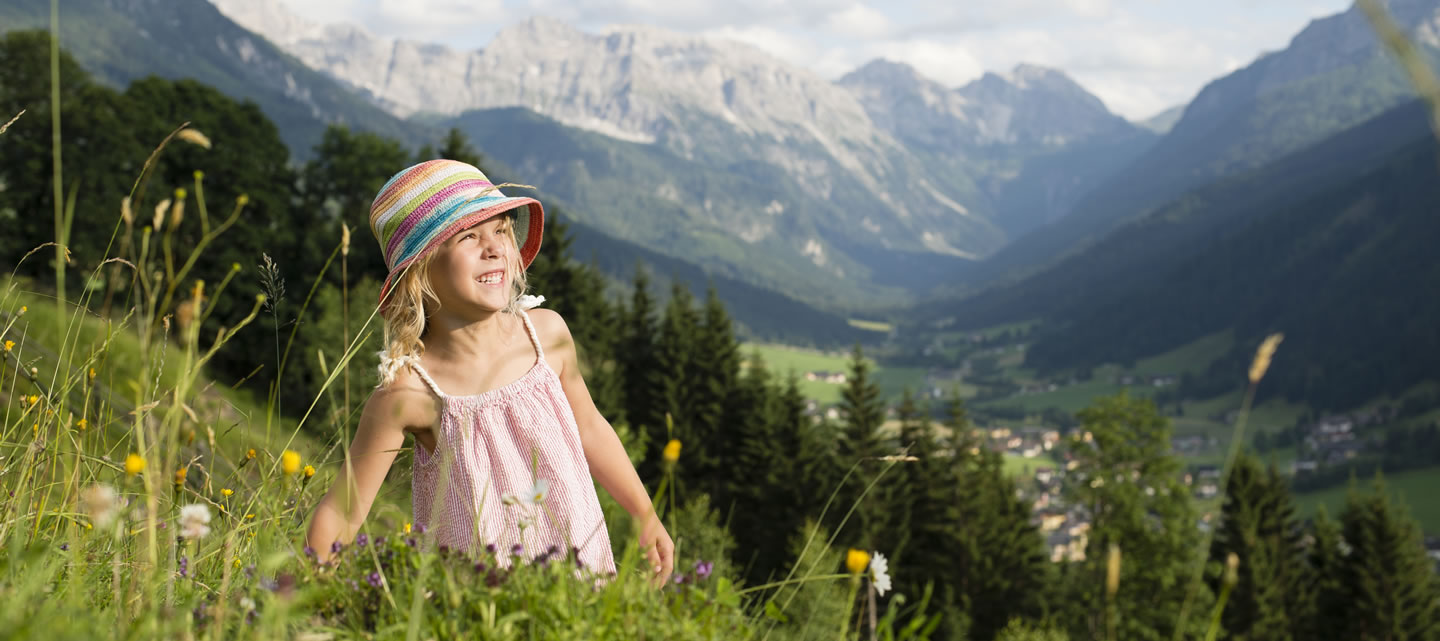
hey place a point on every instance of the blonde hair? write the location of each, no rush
(413, 299)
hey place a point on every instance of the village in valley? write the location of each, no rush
(1029, 421)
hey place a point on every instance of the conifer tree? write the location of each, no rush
(1258, 524)
(640, 369)
(677, 339)
(1387, 584)
(993, 566)
(862, 413)
(576, 292)
(716, 368)
(1325, 554)
(757, 482)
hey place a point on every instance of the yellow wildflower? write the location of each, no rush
(82, 423)
(34, 399)
(226, 491)
(672, 450)
(180, 476)
(134, 464)
(309, 471)
(237, 563)
(856, 560)
(407, 528)
(24, 309)
(92, 373)
(290, 462)
(250, 515)
(9, 345)
(250, 453)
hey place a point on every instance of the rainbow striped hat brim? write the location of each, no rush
(424, 205)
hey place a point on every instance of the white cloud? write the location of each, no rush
(858, 21)
(441, 18)
(1138, 56)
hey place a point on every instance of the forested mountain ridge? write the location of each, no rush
(1334, 75)
(119, 41)
(1329, 245)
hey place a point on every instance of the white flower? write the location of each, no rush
(101, 503)
(532, 496)
(527, 301)
(194, 521)
(880, 573)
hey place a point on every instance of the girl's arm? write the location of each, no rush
(609, 463)
(380, 435)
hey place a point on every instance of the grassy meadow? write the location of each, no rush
(146, 499)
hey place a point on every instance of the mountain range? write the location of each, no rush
(765, 170)
(1017, 196)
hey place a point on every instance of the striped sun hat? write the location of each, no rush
(424, 205)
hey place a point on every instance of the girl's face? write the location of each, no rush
(470, 272)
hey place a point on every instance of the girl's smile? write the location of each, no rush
(494, 279)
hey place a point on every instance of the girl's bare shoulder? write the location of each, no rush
(550, 326)
(406, 403)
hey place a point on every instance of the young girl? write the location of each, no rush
(507, 436)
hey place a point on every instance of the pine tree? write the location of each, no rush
(808, 443)
(640, 370)
(862, 413)
(756, 489)
(1388, 585)
(994, 567)
(1324, 573)
(1258, 524)
(576, 292)
(1128, 482)
(677, 339)
(716, 367)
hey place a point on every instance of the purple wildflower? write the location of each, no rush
(703, 569)
(336, 547)
(480, 568)
(490, 547)
(64, 547)
(517, 550)
(374, 579)
(185, 566)
(362, 540)
(309, 551)
(410, 541)
(379, 541)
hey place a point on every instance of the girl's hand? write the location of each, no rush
(659, 549)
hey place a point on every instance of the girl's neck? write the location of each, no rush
(453, 339)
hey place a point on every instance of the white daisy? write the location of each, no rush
(194, 521)
(880, 573)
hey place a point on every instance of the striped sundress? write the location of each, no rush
(501, 444)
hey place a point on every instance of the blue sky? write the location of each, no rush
(1138, 56)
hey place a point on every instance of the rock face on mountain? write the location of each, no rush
(882, 161)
